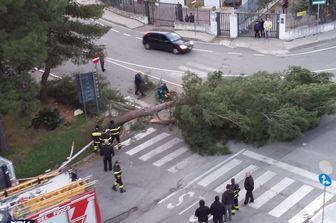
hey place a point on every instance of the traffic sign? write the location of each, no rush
(318, 2)
(95, 60)
(325, 179)
(193, 2)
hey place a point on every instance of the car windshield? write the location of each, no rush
(173, 36)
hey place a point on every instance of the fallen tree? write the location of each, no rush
(128, 116)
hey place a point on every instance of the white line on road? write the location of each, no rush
(324, 70)
(203, 67)
(138, 137)
(126, 34)
(160, 149)
(202, 175)
(171, 156)
(51, 74)
(154, 77)
(258, 55)
(114, 30)
(193, 70)
(308, 52)
(190, 206)
(138, 38)
(202, 50)
(233, 53)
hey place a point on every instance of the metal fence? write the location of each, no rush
(223, 24)
(202, 15)
(128, 6)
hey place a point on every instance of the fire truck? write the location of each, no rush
(51, 198)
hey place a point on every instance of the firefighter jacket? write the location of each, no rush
(105, 138)
(117, 171)
(235, 189)
(96, 135)
(114, 129)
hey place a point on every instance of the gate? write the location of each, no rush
(246, 22)
(163, 13)
(223, 24)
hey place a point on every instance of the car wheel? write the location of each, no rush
(147, 46)
(175, 51)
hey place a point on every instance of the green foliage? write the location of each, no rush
(64, 91)
(17, 94)
(47, 119)
(139, 124)
(147, 84)
(257, 109)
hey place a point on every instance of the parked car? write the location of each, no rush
(167, 41)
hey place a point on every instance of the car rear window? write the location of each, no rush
(173, 36)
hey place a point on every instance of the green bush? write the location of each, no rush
(64, 91)
(47, 119)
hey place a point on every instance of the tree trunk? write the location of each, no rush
(3, 140)
(44, 82)
(121, 119)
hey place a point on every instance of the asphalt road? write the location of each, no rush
(155, 193)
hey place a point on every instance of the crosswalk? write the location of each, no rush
(165, 150)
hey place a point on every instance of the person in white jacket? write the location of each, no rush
(268, 27)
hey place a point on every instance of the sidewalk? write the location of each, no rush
(265, 46)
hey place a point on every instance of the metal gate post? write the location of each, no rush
(218, 23)
(147, 12)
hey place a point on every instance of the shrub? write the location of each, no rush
(47, 119)
(64, 91)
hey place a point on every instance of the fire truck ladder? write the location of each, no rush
(51, 198)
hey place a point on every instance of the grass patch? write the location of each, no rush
(33, 154)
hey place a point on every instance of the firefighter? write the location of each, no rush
(107, 152)
(96, 134)
(106, 137)
(115, 133)
(117, 175)
(236, 189)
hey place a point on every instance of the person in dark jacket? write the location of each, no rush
(138, 80)
(191, 18)
(105, 138)
(107, 152)
(249, 187)
(227, 200)
(262, 30)
(257, 29)
(202, 212)
(217, 210)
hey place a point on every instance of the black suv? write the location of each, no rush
(167, 41)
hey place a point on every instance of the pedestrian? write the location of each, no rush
(235, 188)
(191, 18)
(268, 27)
(102, 62)
(257, 29)
(202, 212)
(284, 4)
(107, 152)
(115, 133)
(138, 80)
(186, 18)
(96, 134)
(217, 210)
(262, 30)
(117, 175)
(249, 187)
(227, 200)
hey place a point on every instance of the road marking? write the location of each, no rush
(239, 177)
(201, 176)
(138, 137)
(161, 149)
(202, 50)
(258, 55)
(198, 72)
(272, 192)
(126, 34)
(147, 143)
(190, 206)
(51, 74)
(183, 163)
(219, 172)
(114, 30)
(138, 38)
(171, 156)
(310, 209)
(290, 201)
(151, 76)
(308, 52)
(324, 70)
(203, 67)
(233, 53)
(293, 169)
(260, 181)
